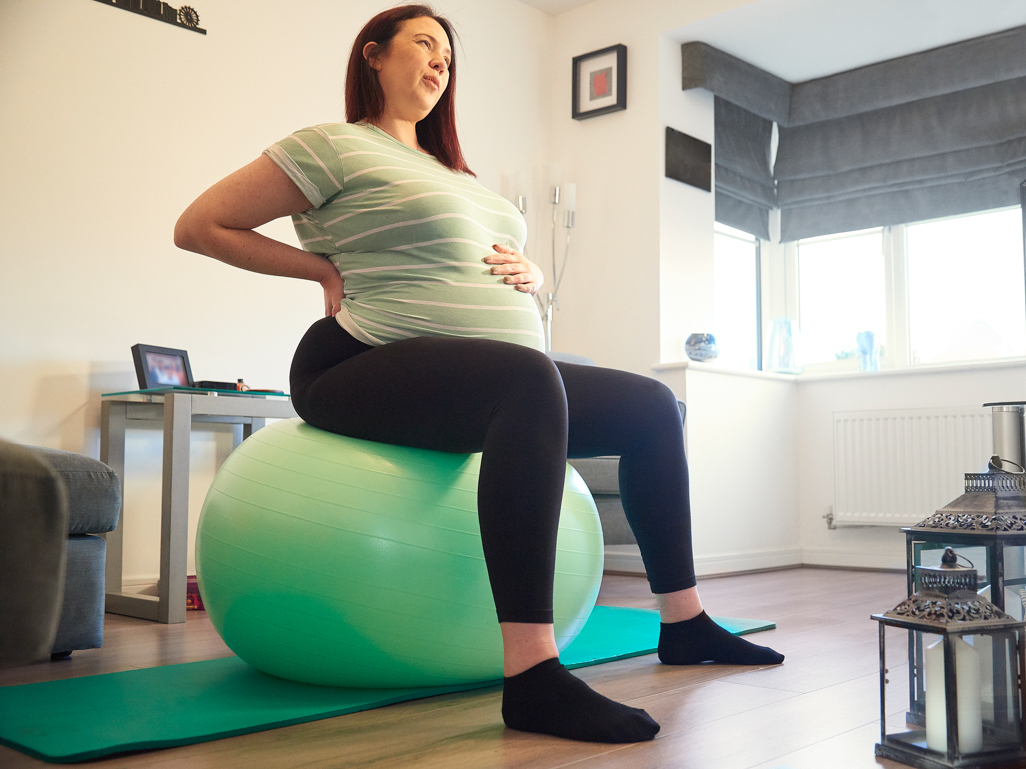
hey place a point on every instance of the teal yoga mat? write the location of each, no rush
(94, 716)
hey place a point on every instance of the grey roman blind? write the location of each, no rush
(937, 133)
(744, 181)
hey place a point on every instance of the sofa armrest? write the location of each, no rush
(33, 540)
(94, 490)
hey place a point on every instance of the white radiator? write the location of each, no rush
(894, 468)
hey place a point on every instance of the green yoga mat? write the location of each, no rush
(94, 716)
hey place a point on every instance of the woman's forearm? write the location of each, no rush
(252, 251)
(221, 223)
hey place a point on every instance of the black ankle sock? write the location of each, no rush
(699, 639)
(548, 699)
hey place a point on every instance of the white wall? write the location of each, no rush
(613, 308)
(819, 397)
(112, 123)
(686, 216)
(742, 456)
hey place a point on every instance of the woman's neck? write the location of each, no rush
(403, 131)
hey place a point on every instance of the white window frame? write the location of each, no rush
(760, 244)
(779, 295)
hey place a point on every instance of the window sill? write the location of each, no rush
(712, 368)
(917, 370)
(922, 368)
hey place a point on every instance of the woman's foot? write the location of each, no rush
(548, 699)
(699, 639)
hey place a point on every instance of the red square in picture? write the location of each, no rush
(601, 83)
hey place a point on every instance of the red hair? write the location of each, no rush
(366, 101)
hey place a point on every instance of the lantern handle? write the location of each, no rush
(949, 560)
(998, 465)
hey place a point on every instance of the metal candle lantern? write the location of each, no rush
(979, 651)
(986, 524)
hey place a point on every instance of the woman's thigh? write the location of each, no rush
(436, 393)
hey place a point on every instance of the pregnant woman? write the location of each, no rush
(431, 339)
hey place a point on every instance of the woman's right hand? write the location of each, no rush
(334, 292)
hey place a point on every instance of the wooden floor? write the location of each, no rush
(819, 710)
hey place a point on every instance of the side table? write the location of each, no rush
(179, 409)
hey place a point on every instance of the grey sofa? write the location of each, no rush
(42, 491)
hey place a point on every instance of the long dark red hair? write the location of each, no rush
(366, 101)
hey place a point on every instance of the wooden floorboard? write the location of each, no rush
(819, 710)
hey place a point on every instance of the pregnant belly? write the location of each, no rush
(406, 308)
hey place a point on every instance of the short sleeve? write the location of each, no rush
(309, 159)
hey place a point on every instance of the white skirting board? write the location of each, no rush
(627, 559)
(856, 558)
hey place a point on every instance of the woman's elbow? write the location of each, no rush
(187, 233)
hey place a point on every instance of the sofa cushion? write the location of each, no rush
(94, 490)
(600, 473)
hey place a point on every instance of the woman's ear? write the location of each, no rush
(371, 54)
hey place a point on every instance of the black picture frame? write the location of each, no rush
(607, 67)
(161, 367)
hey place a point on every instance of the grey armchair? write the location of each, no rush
(52, 504)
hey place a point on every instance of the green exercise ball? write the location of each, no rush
(337, 561)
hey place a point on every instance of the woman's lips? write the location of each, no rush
(433, 81)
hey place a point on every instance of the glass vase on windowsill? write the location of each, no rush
(783, 354)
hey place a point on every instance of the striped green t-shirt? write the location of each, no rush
(408, 235)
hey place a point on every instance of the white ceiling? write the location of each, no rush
(805, 39)
(555, 7)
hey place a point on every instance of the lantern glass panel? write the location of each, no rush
(985, 697)
(1015, 580)
(929, 554)
(985, 559)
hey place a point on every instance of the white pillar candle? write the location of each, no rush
(969, 697)
(984, 644)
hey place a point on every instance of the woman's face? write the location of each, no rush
(414, 70)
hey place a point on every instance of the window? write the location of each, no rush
(736, 297)
(938, 291)
(840, 294)
(965, 287)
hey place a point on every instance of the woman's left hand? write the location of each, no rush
(521, 273)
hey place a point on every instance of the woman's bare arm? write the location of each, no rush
(220, 224)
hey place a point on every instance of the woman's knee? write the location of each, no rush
(533, 376)
(655, 406)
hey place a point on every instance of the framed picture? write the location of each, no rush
(161, 367)
(600, 82)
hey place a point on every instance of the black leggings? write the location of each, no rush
(527, 415)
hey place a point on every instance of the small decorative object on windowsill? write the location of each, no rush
(869, 351)
(701, 347)
(783, 347)
(971, 675)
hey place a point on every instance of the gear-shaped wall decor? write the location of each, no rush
(185, 17)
